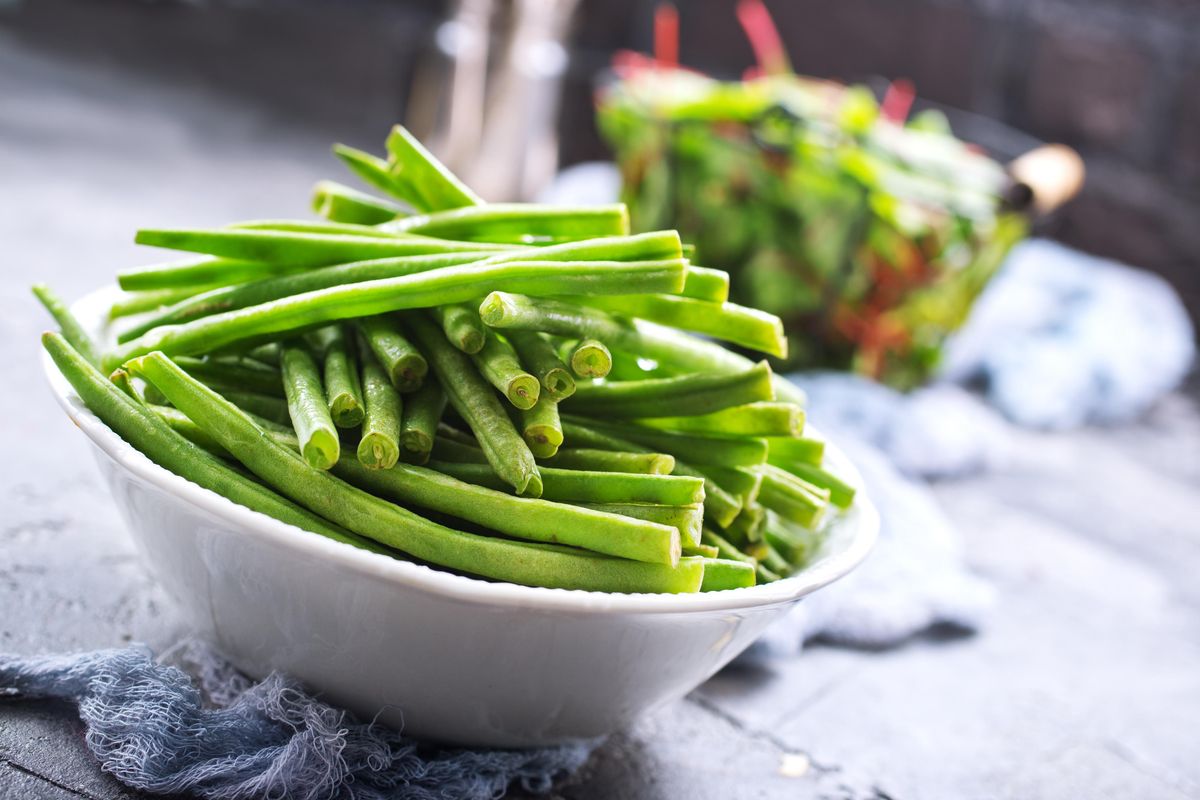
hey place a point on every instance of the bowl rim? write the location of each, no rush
(862, 519)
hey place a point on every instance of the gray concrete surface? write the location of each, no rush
(1085, 683)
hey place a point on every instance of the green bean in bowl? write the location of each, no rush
(512, 392)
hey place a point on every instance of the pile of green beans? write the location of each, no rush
(510, 391)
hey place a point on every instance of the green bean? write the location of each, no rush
(687, 518)
(72, 331)
(267, 353)
(418, 428)
(770, 558)
(785, 452)
(613, 461)
(721, 574)
(260, 405)
(704, 550)
(706, 284)
(730, 322)
(583, 486)
(402, 362)
(752, 419)
(424, 290)
(680, 351)
(412, 165)
(720, 505)
(745, 482)
(339, 203)
(292, 248)
(500, 559)
(460, 322)
(727, 451)
(130, 303)
(315, 226)
(747, 527)
(343, 389)
(841, 493)
(685, 395)
(522, 517)
(234, 373)
(474, 401)
(541, 427)
(796, 543)
(498, 363)
(537, 354)
(374, 171)
(590, 359)
(142, 429)
(793, 498)
(197, 273)
(306, 404)
(652, 246)
(379, 447)
(518, 222)
(229, 298)
(451, 450)
(725, 547)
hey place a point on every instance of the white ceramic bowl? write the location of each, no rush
(442, 656)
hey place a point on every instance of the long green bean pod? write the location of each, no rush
(730, 322)
(538, 356)
(705, 550)
(796, 543)
(590, 359)
(147, 433)
(473, 399)
(787, 451)
(745, 482)
(498, 363)
(197, 273)
(518, 222)
(460, 322)
(375, 171)
(613, 461)
(294, 247)
(724, 450)
(725, 547)
(260, 405)
(687, 518)
(343, 389)
(541, 427)
(339, 203)
(423, 290)
(841, 493)
(306, 404)
(643, 339)
(322, 226)
(379, 445)
(234, 373)
(721, 574)
(414, 166)
(230, 298)
(583, 486)
(72, 331)
(522, 517)
(500, 559)
(720, 505)
(707, 284)
(684, 396)
(422, 410)
(130, 303)
(402, 362)
(792, 498)
(760, 419)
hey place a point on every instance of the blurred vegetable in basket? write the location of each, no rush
(868, 232)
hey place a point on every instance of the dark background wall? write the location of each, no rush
(1117, 79)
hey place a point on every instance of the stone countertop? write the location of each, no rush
(1085, 683)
